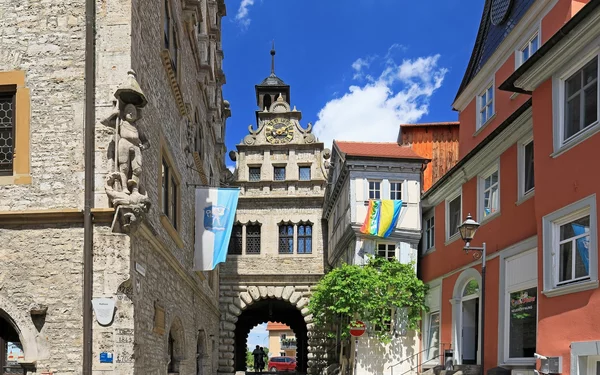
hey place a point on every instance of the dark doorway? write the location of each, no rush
(271, 310)
(10, 347)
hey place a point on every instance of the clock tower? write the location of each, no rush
(276, 252)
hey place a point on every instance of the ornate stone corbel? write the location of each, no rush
(122, 183)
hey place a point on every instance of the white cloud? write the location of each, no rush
(358, 66)
(242, 13)
(372, 112)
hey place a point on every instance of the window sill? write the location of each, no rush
(527, 196)
(582, 136)
(166, 223)
(452, 238)
(428, 251)
(571, 288)
(15, 180)
(490, 217)
(525, 362)
(480, 129)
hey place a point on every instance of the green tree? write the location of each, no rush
(368, 293)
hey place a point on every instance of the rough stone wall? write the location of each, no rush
(46, 40)
(41, 266)
(183, 304)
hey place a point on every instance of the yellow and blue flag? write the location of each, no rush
(382, 217)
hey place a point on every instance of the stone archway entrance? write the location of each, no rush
(275, 311)
(243, 307)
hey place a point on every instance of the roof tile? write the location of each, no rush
(377, 149)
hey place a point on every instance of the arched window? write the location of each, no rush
(267, 101)
(201, 354)
(175, 347)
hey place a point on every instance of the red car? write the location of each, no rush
(282, 364)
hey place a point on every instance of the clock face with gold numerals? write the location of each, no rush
(279, 131)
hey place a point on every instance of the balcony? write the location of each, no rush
(288, 344)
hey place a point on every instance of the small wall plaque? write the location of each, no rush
(140, 269)
(106, 357)
(159, 319)
(104, 308)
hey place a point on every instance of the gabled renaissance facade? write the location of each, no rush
(528, 111)
(360, 173)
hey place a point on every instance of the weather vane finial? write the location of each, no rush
(273, 58)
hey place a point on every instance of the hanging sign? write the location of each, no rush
(104, 308)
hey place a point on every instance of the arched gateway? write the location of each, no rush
(276, 251)
(259, 304)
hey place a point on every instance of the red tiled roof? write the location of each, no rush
(277, 327)
(377, 149)
(448, 123)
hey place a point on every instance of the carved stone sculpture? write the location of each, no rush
(122, 185)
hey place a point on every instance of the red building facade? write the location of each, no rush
(528, 111)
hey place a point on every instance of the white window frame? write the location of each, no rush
(551, 226)
(491, 84)
(524, 195)
(401, 183)
(387, 249)
(368, 190)
(506, 305)
(527, 44)
(558, 102)
(428, 216)
(450, 198)
(427, 343)
(494, 168)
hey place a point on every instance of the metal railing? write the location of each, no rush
(420, 363)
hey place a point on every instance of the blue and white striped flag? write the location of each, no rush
(215, 213)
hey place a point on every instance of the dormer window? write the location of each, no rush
(485, 105)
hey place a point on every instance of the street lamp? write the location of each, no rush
(467, 231)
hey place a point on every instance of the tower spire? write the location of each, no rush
(273, 59)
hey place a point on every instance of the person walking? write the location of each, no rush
(263, 356)
(257, 353)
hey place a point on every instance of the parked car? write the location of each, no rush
(282, 364)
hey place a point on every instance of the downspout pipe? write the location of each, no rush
(88, 229)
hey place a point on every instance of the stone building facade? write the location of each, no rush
(276, 251)
(361, 172)
(166, 316)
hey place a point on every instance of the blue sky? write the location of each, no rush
(352, 65)
(357, 68)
